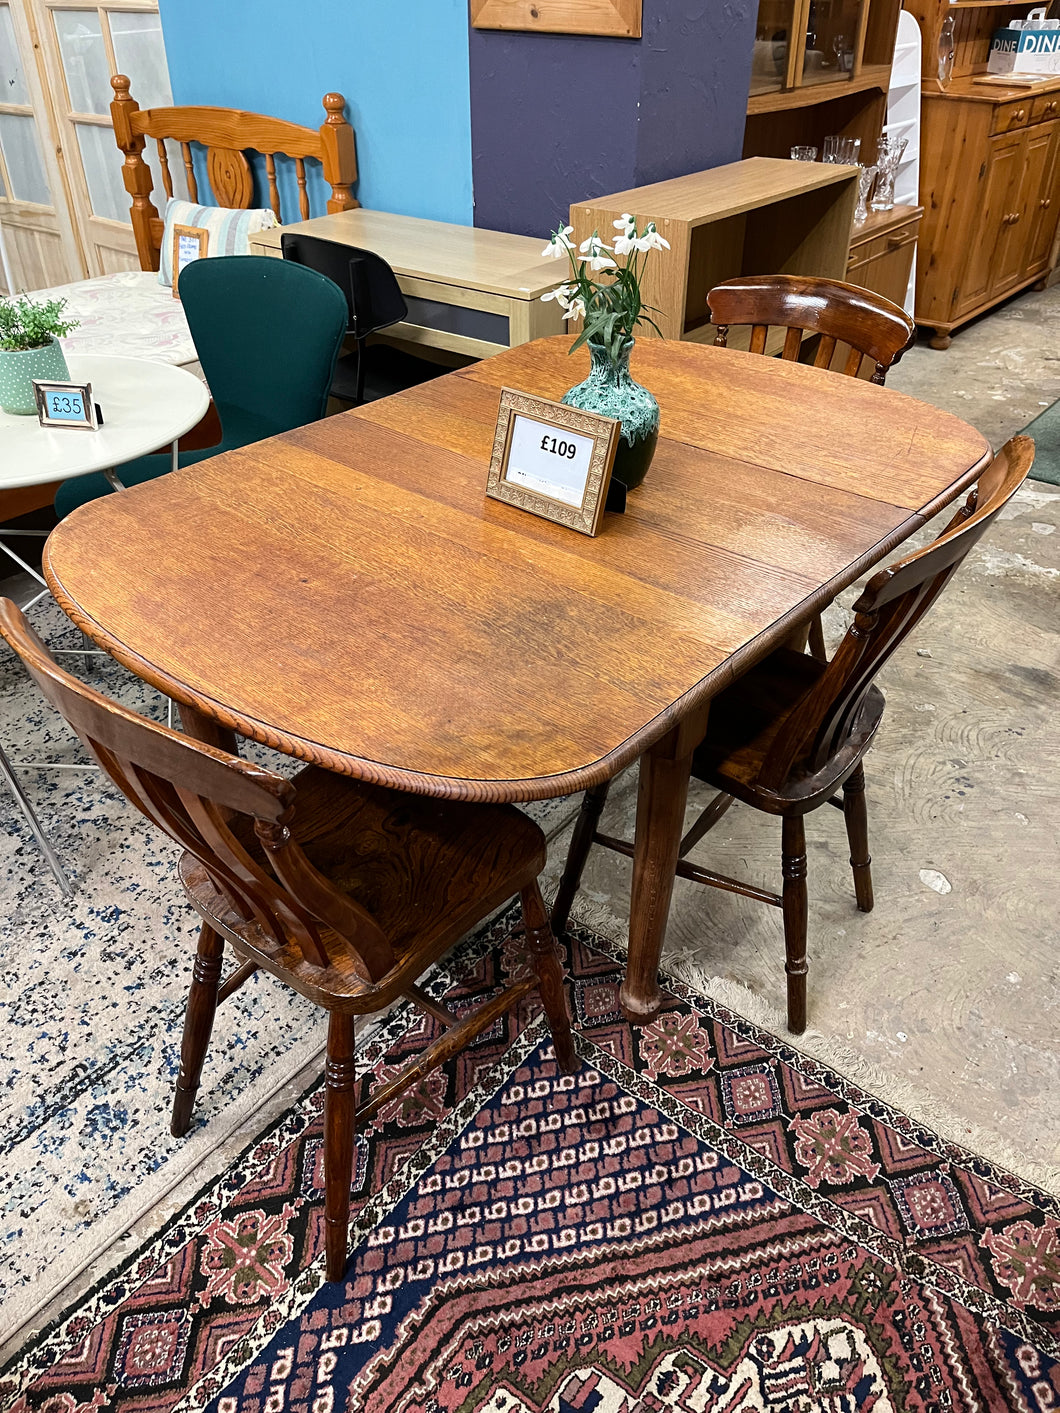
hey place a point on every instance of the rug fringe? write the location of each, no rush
(901, 1093)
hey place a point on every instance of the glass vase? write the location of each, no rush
(888, 155)
(610, 390)
(865, 179)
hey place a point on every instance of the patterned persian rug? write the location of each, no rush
(701, 1219)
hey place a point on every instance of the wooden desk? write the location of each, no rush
(361, 604)
(469, 291)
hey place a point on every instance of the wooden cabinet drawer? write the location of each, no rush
(1045, 106)
(1009, 116)
(867, 251)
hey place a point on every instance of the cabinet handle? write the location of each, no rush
(896, 242)
(1019, 115)
(1045, 202)
(1050, 107)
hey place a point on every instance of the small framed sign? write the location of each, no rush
(552, 460)
(189, 243)
(66, 405)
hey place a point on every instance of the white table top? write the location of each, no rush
(145, 407)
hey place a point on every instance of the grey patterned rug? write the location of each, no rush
(93, 1003)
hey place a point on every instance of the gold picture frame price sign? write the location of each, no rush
(189, 244)
(552, 460)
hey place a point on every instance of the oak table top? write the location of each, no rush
(346, 593)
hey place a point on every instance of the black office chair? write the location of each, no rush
(375, 302)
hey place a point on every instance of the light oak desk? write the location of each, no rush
(469, 291)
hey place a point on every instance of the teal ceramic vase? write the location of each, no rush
(610, 390)
(18, 368)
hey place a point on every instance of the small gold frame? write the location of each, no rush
(198, 234)
(554, 417)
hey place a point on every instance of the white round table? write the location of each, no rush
(145, 406)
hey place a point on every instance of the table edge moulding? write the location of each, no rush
(453, 524)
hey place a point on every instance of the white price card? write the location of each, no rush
(552, 460)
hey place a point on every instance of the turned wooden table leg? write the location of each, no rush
(211, 733)
(661, 799)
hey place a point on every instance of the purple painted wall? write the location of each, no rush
(563, 118)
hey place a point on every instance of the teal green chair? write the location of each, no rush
(268, 334)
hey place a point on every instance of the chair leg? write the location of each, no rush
(857, 822)
(340, 1111)
(581, 842)
(198, 1023)
(548, 967)
(8, 775)
(816, 639)
(794, 907)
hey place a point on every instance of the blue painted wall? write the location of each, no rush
(402, 65)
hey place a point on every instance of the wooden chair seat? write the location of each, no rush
(426, 870)
(747, 718)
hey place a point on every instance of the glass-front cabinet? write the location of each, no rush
(801, 44)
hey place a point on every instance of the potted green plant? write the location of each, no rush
(29, 348)
(612, 309)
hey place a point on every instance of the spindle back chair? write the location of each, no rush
(871, 326)
(347, 892)
(840, 313)
(791, 732)
(227, 135)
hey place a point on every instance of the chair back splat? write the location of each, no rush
(892, 604)
(872, 326)
(191, 791)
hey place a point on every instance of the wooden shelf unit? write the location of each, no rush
(799, 109)
(989, 175)
(762, 216)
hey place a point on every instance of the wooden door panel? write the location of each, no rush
(1043, 208)
(1013, 248)
(999, 186)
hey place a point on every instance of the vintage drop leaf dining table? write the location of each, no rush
(346, 593)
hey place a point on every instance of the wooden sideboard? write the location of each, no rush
(761, 216)
(470, 292)
(988, 172)
(989, 181)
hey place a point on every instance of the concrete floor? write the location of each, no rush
(952, 984)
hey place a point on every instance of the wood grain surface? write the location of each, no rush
(346, 592)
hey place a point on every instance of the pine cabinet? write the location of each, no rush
(988, 178)
(988, 173)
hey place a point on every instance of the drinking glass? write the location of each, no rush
(804, 154)
(844, 151)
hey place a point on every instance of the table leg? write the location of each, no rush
(211, 733)
(661, 799)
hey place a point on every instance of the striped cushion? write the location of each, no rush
(230, 231)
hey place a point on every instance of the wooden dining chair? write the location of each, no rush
(793, 731)
(346, 891)
(871, 326)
